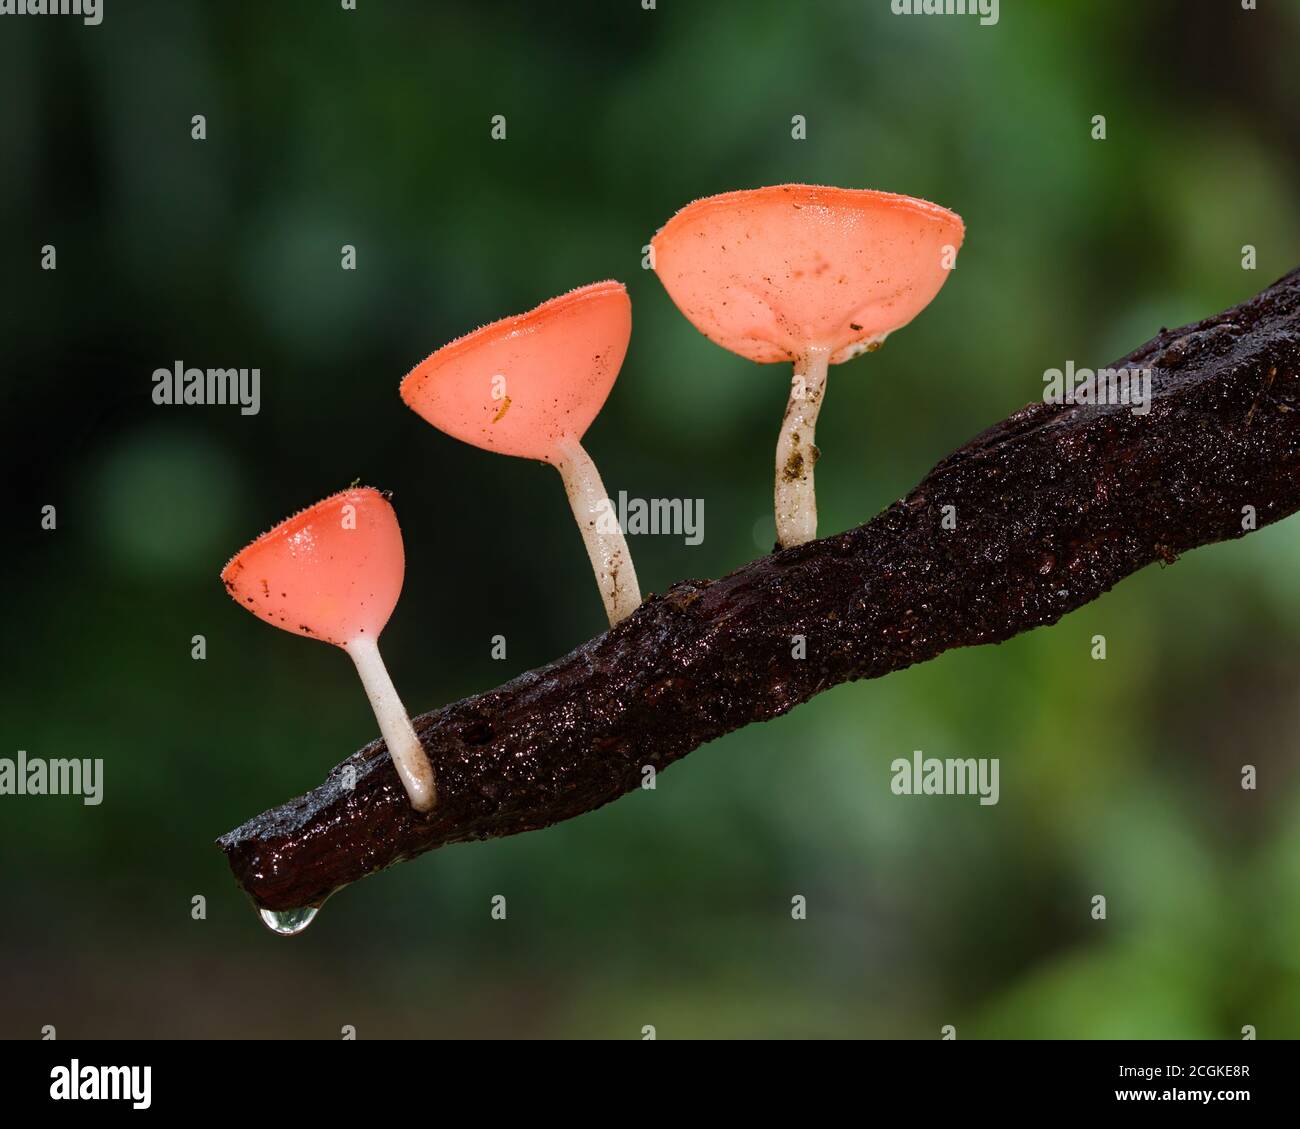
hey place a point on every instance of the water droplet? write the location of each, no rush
(288, 922)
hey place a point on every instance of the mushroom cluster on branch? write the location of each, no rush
(797, 272)
(1059, 503)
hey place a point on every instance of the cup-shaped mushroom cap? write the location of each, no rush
(525, 384)
(332, 572)
(771, 272)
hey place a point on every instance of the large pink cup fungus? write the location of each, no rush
(806, 274)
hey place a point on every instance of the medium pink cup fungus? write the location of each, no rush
(806, 274)
(531, 385)
(334, 572)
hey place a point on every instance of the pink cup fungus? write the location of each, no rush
(530, 386)
(806, 274)
(334, 572)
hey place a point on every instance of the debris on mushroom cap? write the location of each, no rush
(525, 384)
(770, 272)
(329, 572)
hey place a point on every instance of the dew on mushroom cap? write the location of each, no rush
(530, 386)
(334, 572)
(807, 274)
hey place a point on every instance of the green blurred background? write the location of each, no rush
(672, 908)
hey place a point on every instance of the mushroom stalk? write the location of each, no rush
(601, 532)
(409, 757)
(796, 451)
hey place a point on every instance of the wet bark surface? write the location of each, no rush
(1053, 506)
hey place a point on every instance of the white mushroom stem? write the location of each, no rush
(409, 758)
(598, 521)
(796, 451)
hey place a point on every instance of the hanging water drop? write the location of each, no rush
(288, 922)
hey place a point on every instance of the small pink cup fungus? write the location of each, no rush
(334, 572)
(806, 274)
(531, 385)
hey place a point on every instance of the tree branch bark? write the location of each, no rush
(1053, 506)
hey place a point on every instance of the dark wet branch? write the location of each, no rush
(1053, 506)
